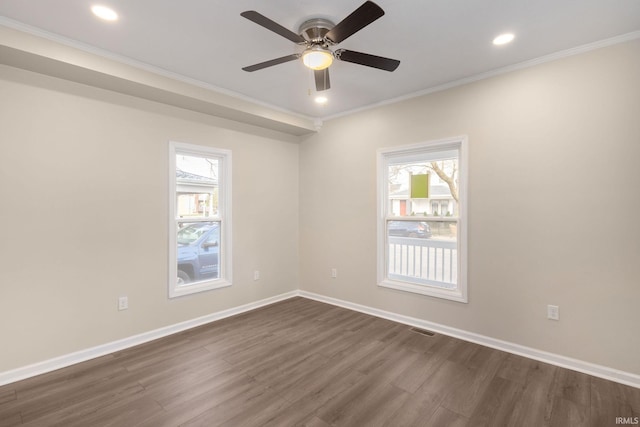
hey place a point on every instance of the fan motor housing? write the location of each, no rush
(314, 30)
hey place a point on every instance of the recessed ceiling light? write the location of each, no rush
(104, 12)
(503, 39)
(321, 99)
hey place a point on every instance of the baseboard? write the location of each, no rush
(39, 368)
(611, 374)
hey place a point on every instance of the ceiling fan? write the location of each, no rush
(318, 36)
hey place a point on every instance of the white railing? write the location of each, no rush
(424, 261)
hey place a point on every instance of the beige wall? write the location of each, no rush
(553, 207)
(554, 202)
(84, 199)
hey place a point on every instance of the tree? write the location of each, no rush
(450, 179)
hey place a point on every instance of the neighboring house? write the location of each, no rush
(196, 195)
(439, 203)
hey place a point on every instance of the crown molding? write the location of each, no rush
(39, 51)
(634, 35)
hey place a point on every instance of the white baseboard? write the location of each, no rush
(611, 374)
(29, 371)
(18, 374)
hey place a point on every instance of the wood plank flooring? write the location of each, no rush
(304, 363)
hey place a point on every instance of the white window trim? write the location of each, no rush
(225, 252)
(407, 152)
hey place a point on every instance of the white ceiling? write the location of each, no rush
(437, 41)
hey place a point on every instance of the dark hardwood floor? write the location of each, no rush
(304, 363)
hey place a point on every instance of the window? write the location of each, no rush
(422, 246)
(200, 219)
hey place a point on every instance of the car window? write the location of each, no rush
(213, 236)
(190, 234)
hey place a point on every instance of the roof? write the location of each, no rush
(182, 176)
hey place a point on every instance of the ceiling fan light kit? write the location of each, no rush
(317, 58)
(318, 35)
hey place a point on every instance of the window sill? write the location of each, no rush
(450, 294)
(197, 287)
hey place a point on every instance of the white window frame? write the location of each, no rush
(224, 217)
(413, 152)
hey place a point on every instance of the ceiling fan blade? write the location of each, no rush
(359, 18)
(267, 23)
(368, 60)
(271, 63)
(322, 79)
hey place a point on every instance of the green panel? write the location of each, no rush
(420, 186)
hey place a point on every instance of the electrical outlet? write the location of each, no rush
(123, 303)
(256, 275)
(334, 273)
(553, 312)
